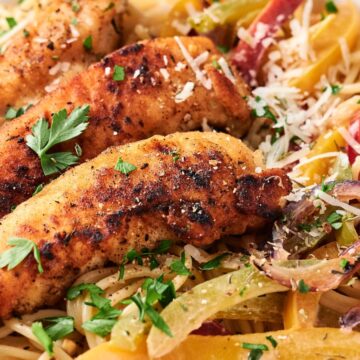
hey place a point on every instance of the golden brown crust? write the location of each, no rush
(124, 111)
(25, 64)
(94, 214)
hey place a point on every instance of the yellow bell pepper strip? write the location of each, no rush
(187, 312)
(301, 310)
(179, 15)
(326, 46)
(315, 171)
(227, 12)
(248, 57)
(309, 344)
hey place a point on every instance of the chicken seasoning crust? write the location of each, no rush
(61, 40)
(94, 213)
(137, 107)
(180, 179)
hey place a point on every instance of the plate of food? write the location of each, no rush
(179, 179)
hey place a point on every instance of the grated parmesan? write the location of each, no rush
(185, 93)
(189, 59)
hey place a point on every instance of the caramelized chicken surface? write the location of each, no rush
(53, 46)
(94, 213)
(145, 103)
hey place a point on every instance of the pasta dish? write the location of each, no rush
(180, 179)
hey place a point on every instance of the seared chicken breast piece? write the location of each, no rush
(62, 39)
(94, 213)
(160, 94)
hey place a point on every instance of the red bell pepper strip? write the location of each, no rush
(354, 131)
(248, 57)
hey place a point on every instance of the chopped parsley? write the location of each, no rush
(38, 189)
(335, 220)
(20, 249)
(213, 263)
(223, 49)
(272, 341)
(344, 263)
(302, 287)
(88, 43)
(44, 339)
(132, 255)
(13, 113)
(102, 323)
(156, 290)
(256, 350)
(216, 65)
(11, 22)
(326, 187)
(63, 128)
(178, 266)
(26, 33)
(175, 155)
(335, 89)
(331, 7)
(124, 167)
(119, 73)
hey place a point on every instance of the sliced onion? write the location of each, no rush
(351, 319)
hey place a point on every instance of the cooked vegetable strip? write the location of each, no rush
(190, 310)
(141, 105)
(224, 13)
(33, 65)
(248, 57)
(94, 213)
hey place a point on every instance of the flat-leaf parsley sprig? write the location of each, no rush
(63, 128)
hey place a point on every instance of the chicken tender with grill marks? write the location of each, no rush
(144, 104)
(94, 213)
(53, 47)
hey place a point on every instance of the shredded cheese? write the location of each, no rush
(349, 139)
(185, 93)
(226, 70)
(335, 202)
(206, 83)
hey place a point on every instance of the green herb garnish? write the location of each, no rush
(45, 340)
(302, 287)
(335, 220)
(88, 43)
(11, 22)
(119, 73)
(178, 266)
(331, 7)
(213, 263)
(63, 128)
(124, 167)
(20, 249)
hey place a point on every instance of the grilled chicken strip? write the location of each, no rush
(32, 65)
(145, 103)
(94, 214)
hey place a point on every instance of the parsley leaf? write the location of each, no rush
(38, 189)
(156, 290)
(11, 22)
(75, 6)
(213, 263)
(88, 43)
(256, 350)
(335, 220)
(302, 287)
(12, 113)
(124, 167)
(331, 7)
(272, 340)
(101, 327)
(335, 89)
(344, 263)
(63, 128)
(61, 327)
(20, 250)
(326, 187)
(119, 73)
(178, 266)
(45, 340)
(76, 290)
